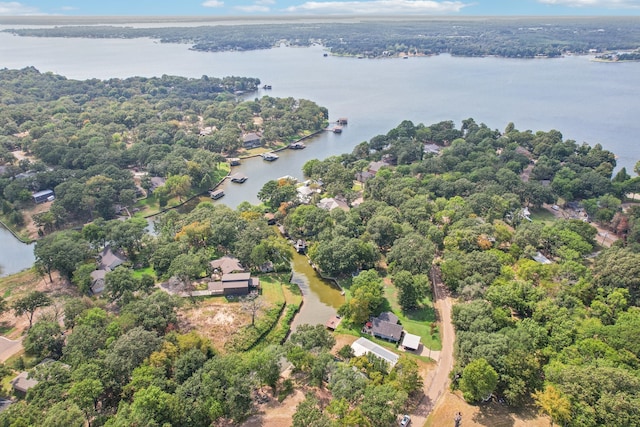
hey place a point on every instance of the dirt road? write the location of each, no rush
(437, 382)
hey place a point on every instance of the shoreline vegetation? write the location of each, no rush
(544, 311)
(513, 37)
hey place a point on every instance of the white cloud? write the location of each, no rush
(213, 3)
(605, 4)
(66, 8)
(253, 8)
(13, 8)
(265, 2)
(380, 7)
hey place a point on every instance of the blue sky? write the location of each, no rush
(319, 7)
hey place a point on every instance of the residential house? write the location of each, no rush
(237, 283)
(251, 140)
(108, 260)
(384, 326)
(226, 265)
(156, 181)
(374, 167)
(22, 383)
(363, 346)
(331, 203)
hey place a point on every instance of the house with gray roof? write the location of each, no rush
(363, 346)
(384, 326)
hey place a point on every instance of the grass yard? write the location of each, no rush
(542, 215)
(142, 271)
(416, 322)
(272, 289)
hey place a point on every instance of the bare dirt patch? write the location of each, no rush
(30, 225)
(215, 319)
(491, 414)
(274, 413)
(19, 285)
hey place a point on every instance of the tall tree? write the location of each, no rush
(30, 303)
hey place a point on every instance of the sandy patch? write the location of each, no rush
(491, 414)
(216, 320)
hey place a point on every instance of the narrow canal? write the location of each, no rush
(321, 298)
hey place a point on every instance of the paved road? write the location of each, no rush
(8, 348)
(437, 382)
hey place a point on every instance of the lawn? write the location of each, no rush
(272, 288)
(542, 215)
(142, 271)
(416, 322)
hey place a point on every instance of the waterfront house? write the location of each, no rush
(251, 140)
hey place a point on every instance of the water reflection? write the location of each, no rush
(321, 297)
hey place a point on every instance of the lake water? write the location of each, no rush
(587, 101)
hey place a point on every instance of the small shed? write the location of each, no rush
(411, 342)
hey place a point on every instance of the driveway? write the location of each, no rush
(8, 348)
(437, 382)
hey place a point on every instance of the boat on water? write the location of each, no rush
(234, 161)
(337, 129)
(238, 178)
(269, 157)
(297, 146)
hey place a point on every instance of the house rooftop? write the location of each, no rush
(363, 346)
(411, 341)
(383, 328)
(226, 265)
(236, 277)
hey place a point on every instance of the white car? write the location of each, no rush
(406, 420)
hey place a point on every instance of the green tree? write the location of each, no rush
(412, 253)
(478, 380)
(412, 289)
(308, 414)
(381, 404)
(62, 251)
(312, 337)
(85, 394)
(44, 339)
(120, 282)
(30, 303)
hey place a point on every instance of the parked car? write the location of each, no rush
(406, 420)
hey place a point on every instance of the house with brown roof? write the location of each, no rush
(226, 265)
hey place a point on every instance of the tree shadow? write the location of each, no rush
(493, 415)
(425, 314)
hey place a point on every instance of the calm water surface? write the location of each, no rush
(587, 101)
